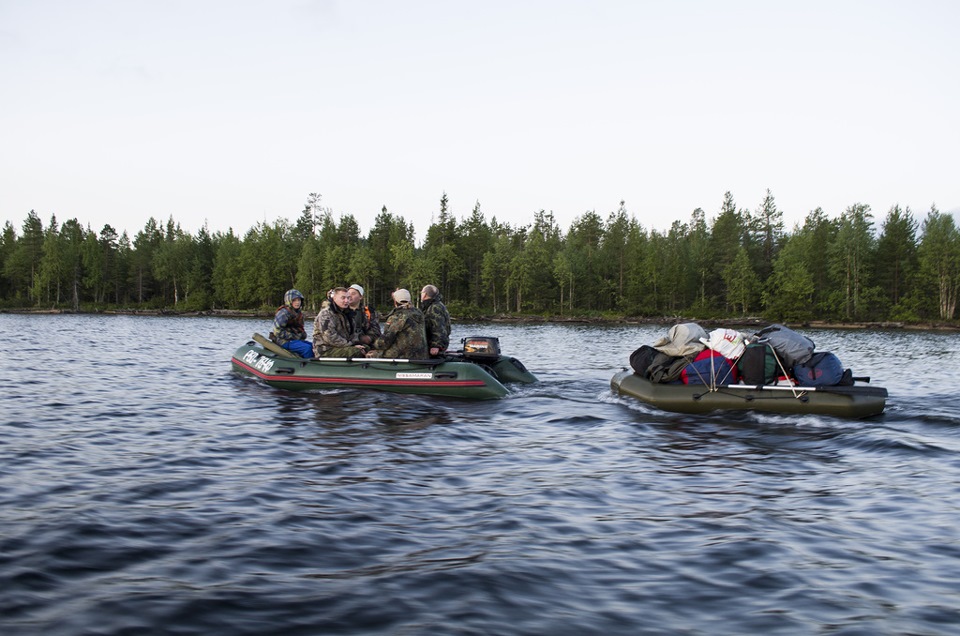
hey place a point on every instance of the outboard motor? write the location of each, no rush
(481, 348)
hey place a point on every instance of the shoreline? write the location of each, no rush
(532, 320)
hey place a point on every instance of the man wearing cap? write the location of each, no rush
(365, 319)
(436, 318)
(403, 335)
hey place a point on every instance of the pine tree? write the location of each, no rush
(896, 254)
(23, 263)
(742, 282)
(939, 254)
(49, 277)
(789, 291)
(614, 255)
(851, 259)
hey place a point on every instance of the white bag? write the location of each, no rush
(727, 342)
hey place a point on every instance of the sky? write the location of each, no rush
(231, 112)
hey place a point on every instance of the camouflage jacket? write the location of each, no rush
(437, 320)
(367, 322)
(332, 328)
(288, 325)
(403, 335)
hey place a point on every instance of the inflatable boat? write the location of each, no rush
(857, 401)
(477, 372)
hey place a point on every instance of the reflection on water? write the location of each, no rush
(145, 488)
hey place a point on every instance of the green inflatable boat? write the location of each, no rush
(856, 401)
(477, 372)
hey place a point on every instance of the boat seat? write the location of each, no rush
(269, 345)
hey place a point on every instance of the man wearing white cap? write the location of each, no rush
(404, 335)
(364, 317)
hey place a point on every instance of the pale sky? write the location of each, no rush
(232, 111)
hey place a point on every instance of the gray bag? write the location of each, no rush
(792, 348)
(682, 340)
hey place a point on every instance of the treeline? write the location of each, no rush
(739, 262)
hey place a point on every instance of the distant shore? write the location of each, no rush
(536, 319)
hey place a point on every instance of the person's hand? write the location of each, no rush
(434, 351)
(371, 354)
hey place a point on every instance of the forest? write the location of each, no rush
(736, 263)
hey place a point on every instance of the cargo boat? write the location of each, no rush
(857, 401)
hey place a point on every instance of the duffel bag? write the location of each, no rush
(822, 369)
(792, 347)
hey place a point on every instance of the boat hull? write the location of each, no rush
(506, 369)
(452, 378)
(851, 402)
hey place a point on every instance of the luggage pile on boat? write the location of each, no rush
(775, 369)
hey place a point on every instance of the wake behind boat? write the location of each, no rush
(478, 372)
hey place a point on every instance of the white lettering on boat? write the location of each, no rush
(257, 361)
(414, 376)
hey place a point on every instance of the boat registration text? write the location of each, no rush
(257, 361)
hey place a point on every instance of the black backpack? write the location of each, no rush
(758, 364)
(642, 358)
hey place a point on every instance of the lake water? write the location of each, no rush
(147, 489)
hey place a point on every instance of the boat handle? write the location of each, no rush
(284, 370)
(445, 375)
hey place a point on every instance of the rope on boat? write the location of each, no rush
(714, 386)
(784, 371)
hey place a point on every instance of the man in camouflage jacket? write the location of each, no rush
(334, 335)
(437, 320)
(365, 318)
(403, 335)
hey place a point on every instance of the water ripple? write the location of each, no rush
(151, 490)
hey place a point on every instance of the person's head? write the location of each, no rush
(293, 299)
(356, 295)
(428, 292)
(401, 297)
(341, 298)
